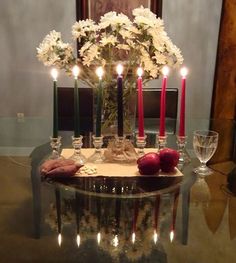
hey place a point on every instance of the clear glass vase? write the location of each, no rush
(109, 116)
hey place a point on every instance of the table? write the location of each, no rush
(205, 220)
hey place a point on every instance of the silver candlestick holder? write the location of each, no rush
(77, 156)
(56, 145)
(97, 156)
(184, 158)
(161, 142)
(141, 143)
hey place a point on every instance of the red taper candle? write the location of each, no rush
(165, 72)
(183, 73)
(140, 103)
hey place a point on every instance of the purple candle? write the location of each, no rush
(119, 70)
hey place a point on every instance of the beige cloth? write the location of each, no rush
(115, 169)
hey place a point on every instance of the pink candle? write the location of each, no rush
(140, 104)
(183, 73)
(165, 72)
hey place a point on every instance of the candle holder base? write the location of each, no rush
(55, 144)
(161, 142)
(141, 143)
(184, 157)
(77, 156)
(98, 156)
(121, 150)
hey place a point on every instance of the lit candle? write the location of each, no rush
(183, 72)
(99, 73)
(54, 75)
(165, 72)
(119, 70)
(75, 72)
(140, 103)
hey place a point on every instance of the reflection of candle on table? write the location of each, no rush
(135, 216)
(54, 75)
(98, 213)
(99, 73)
(75, 71)
(175, 206)
(58, 207)
(77, 213)
(156, 216)
(183, 72)
(165, 72)
(140, 103)
(119, 70)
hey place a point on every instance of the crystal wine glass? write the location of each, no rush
(204, 144)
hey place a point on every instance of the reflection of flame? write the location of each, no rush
(133, 238)
(155, 237)
(78, 240)
(99, 237)
(59, 239)
(115, 241)
(172, 234)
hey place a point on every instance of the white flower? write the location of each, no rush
(160, 58)
(115, 38)
(84, 28)
(144, 12)
(113, 19)
(90, 55)
(84, 48)
(52, 51)
(108, 40)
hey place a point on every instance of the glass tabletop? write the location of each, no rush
(117, 219)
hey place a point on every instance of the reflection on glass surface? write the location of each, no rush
(125, 229)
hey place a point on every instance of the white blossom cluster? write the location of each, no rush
(141, 42)
(53, 52)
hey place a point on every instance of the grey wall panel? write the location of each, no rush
(25, 84)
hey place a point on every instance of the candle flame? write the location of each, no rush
(99, 237)
(59, 239)
(172, 235)
(155, 237)
(165, 71)
(75, 71)
(115, 241)
(184, 72)
(119, 69)
(99, 72)
(140, 72)
(133, 237)
(78, 240)
(54, 74)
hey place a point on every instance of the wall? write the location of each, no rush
(25, 84)
(194, 26)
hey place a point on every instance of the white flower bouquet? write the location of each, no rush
(115, 39)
